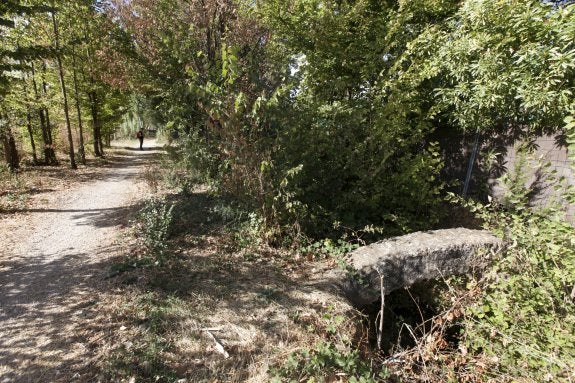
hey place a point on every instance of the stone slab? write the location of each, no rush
(408, 259)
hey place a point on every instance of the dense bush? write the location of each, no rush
(521, 322)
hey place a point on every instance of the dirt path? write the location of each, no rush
(52, 264)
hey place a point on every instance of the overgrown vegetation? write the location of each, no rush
(514, 322)
(524, 317)
(311, 114)
(153, 225)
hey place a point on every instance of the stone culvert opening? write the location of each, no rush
(409, 315)
(410, 270)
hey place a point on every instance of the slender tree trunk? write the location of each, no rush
(64, 93)
(49, 143)
(10, 150)
(31, 133)
(29, 121)
(81, 150)
(40, 111)
(94, 107)
(29, 115)
(44, 125)
(95, 124)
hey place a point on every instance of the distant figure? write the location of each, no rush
(140, 136)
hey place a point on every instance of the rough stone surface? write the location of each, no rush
(416, 257)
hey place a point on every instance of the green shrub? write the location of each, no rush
(523, 323)
(324, 363)
(333, 358)
(155, 219)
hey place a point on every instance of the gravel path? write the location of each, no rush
(51, 268)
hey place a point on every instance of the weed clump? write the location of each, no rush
(154, 222)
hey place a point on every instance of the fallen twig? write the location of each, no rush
(382, 307)
(219, 346)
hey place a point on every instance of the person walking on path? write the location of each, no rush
(140, 136)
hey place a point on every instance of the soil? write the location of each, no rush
(53, 265)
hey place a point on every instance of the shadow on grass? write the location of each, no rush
(106, 217)
(204, 284)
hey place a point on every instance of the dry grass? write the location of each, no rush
(166, 322)
(215, 312)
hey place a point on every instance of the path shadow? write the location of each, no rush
(145, 149)
(104, 217)
(58, 300)
(57, 296)
(29, 191)
(118, 157)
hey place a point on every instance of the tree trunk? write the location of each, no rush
(81, 150)
(49, 148)
(94, 106)
(29, 121)
(10, 150)
(49, 143)
(31, 133)
(64, 93)
(95, 124)
(42, 114)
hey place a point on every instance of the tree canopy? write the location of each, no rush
(309, 111)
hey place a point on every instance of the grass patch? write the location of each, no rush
(211, 295)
